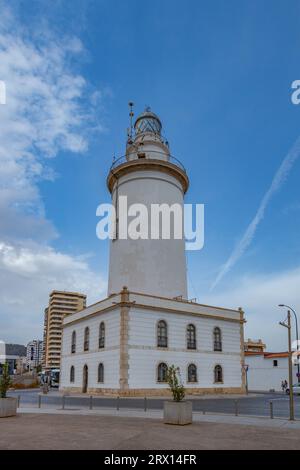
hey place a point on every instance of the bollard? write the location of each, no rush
(63, 402)
(40, 401)
(19, 399)
(145, 404)
(91, 402)
(236, 407)
(271, 410)
(118, 403)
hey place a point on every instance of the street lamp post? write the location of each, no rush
(297, 337)
(288, 326)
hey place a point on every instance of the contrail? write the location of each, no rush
(278, 180)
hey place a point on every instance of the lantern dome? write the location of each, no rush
(147, 122)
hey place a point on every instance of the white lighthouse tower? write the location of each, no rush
(148, 175)
(123, 344)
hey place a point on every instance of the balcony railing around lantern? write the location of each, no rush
(147, 154)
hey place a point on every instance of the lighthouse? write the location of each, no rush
(123, 344)
(149, 175)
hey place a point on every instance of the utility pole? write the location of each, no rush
(288, 326)
(297, 337)
(290, 368)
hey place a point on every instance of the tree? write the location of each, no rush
(5, 381)
(175, 384)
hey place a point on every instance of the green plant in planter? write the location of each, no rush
(175, 384)
(5, 381)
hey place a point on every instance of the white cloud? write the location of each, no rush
(259, 296)
(46, 111)
(27, 275)
(49, 108)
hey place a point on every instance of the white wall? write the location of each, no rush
(144, 356)
(155, 267)
(109, 356)
(263, 375)
(110, 360)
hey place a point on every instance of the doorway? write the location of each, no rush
(85, 379)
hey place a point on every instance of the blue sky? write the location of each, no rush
(219, 76)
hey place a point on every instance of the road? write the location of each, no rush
(254, 404)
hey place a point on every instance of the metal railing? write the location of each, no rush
(234, 407)
(123, 159)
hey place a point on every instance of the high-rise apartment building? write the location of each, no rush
(34, 354)
(61, 304)
(45, 338)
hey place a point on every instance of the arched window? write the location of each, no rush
(162, 334)
(73, 345)
(192, 373)
(72, 374)
(217, 339)
(218, 374)
(102, 335)
(162, 372)
(191, 336)
(86, 344)
(100, 373)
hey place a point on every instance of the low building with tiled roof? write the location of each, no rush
(266, 370)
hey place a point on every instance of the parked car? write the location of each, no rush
(296, 389)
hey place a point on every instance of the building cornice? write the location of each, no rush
(182, 312)
(146, 164)
(185, 301)
(129, 299)
(133, 305)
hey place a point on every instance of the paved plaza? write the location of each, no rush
(63, 430)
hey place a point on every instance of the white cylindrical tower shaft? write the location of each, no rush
(148, 176)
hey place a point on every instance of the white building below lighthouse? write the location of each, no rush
(123, 344)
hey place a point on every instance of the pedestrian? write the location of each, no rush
(282, 385)
(285, 384)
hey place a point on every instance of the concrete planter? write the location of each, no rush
(178, 412)
(8, 407)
